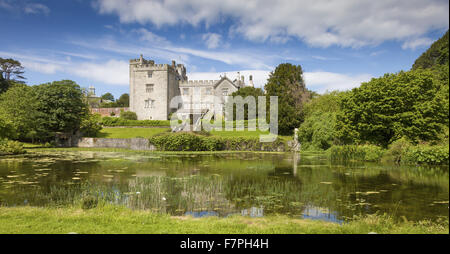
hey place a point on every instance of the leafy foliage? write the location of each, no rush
(194, 142)
(317, 132)
(246, 92)
(406, 104)
(108, 96)
(61, 107)
(287, 83)
(355, 152)
(18, 108)
(115, 121)
(437, 54)
(9, 147)
(11, 69)
(128, 115)
(91, 125)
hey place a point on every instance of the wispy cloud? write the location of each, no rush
(34, 8)
(350, 23)
(417, 43)
(212, 40)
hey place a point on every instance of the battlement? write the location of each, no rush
(143, 64)
(198, 83)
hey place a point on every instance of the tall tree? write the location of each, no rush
(11, 69)
(108, 96)
(437, 54)
(18, 106)
(61, 107)
(407, 104)
(245, 92)
(287, 83)
(124, 100)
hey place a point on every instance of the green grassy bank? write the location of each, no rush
(118, 220)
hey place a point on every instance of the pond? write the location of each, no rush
(249, 184)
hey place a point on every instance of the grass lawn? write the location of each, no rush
(130, 132)
(115, 219)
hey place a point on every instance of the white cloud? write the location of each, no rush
(259, 76)
(350, 23)
(112, 72)
(47, 68)
(417, 43)
(36, 9)
(212, 40)
(242, 59)
(321, 81)
(148, 36)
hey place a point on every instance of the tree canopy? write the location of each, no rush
(437, 54)
(287, 83)
(11, 69)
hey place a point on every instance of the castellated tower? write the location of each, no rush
(152, 86)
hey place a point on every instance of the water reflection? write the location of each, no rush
(223, 184)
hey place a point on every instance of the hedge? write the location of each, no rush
(195, 142)
(116, 121)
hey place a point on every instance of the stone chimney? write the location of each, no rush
(141, 60)
(173, 63)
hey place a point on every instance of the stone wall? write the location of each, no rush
(125, 143)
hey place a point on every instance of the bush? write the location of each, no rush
(194, 142)
(91, 125)
(114, 121)
(9, 147)
(89, 202)
(128, 115)
(426, 154)
(397, 150)
(355, 152)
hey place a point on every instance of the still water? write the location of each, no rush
(249, 184)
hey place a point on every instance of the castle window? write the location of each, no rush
(149, 88)
(149, 103)
(149, 74)
(185, 91)
(225, 91)
(209, 91)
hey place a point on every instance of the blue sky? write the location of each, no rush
(339, 44)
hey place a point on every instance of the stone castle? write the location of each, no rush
(153, 86)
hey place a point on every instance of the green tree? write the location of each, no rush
(407, 104)
(61, 107)
(19, 106)
(108, 96)
(317, 132)
(437, 54)
(287, 83)
(11, 69)
(124, 100)
(91, 125)
(245, 92)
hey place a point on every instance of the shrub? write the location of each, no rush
(397, 150)
(195, 142)
(356, 152)
(91, 125)
(89, 202)
(9, 147)
(128, 115)
(426, 154)
(114, 121)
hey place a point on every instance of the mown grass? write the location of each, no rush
(131, 132)
(119, 220)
